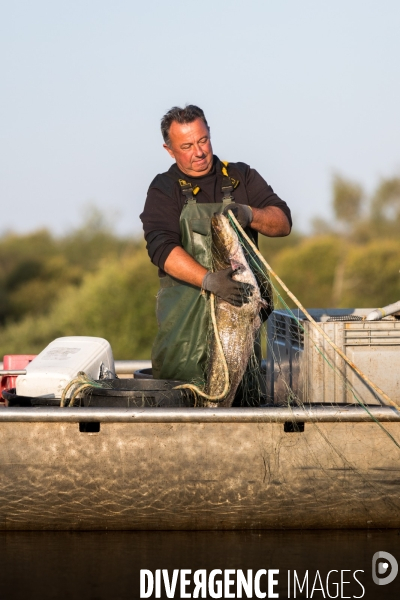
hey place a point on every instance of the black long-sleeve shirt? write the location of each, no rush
(165, 201)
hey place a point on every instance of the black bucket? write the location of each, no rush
(11, 399)
(125, 393)
(138, 393)
(143, 374)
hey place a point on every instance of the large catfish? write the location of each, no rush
(237, 326)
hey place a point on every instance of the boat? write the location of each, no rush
(316, 466)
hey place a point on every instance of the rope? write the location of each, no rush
(77, 391)
(75, 381)
(309, 317)
(194, 388)
(82, 381)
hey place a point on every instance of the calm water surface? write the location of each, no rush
(106, 565)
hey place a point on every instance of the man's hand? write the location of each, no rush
(222, 285)
(242, 212)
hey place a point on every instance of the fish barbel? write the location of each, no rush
(237, 325)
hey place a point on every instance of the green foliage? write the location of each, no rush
(36, 268)
(347, 199)
(91, 282)
(94, 241)
(22, 262)
(117, 303)
(386, 200)
(270, 247)
(309, 269)
(385, 208)
(371, 275)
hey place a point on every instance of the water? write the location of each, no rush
(106, 565)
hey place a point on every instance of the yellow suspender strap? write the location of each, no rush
(235, 182)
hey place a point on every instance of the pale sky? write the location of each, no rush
(297, 89)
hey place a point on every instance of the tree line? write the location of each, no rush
(93, 282)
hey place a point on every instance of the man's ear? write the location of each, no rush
(168, 149)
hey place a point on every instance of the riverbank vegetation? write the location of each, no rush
(93, 282)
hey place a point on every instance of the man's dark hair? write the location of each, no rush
(181, 115)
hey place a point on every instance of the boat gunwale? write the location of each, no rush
(311, 414)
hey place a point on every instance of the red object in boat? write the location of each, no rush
(13, 362)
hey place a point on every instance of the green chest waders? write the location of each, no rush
(183, 312)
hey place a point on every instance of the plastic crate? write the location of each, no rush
(295, 365)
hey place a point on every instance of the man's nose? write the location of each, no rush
(198, 150)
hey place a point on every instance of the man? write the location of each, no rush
(177, 226)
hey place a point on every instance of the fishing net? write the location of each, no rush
(294, 357)
(321, 362)
(84, 391)
(316, 466)
(306, 351)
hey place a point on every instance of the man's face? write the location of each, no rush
(191, 147)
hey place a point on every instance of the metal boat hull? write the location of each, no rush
(196, 469)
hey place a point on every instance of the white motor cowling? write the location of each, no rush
(60, 362)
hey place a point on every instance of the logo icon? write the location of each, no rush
(384, 563)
